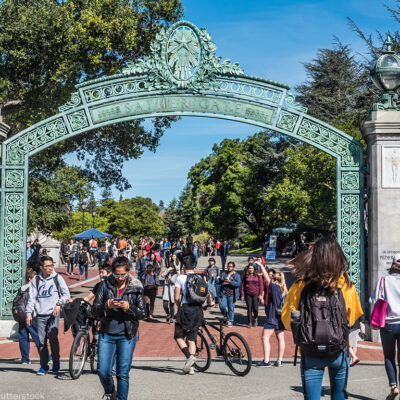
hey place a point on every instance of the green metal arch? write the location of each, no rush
(182, 81)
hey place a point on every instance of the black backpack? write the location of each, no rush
(19, 305)
(322, 329)
(196, 290)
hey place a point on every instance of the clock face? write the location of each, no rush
(183, 53)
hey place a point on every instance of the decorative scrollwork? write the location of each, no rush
(29, 141)
(350, 180)
(350, 217)
(78, 120)
(74, 102)
(290, 101)
(287, 121)
(12, 248)
(182, 58)
(14, 178)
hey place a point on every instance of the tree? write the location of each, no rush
(64, 43)
(106, 194)
(133, 217)
(174, 225)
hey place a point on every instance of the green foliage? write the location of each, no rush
(174, 227)
(50, 198)
(49, 46)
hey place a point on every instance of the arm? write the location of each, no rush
(236, 281)
(260, 285)
(65, 295)
(89, 297)
(264, 273)
(137, 308)
(30, 306)
(177, 296)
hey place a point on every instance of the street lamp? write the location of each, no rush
(83, 216)
(94, 217)
(385, 75)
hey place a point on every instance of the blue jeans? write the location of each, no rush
(23, 336)
(227, 301)
(123, 348)
(390, 336)
(84, 267)
(312, 371)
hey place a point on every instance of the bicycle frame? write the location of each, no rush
(219, 328)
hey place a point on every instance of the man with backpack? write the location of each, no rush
(190, 294)
(47, 293)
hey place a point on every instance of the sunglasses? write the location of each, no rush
(120, 276)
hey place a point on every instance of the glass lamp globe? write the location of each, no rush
(385, 73)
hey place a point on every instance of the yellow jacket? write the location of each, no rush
(353, 305)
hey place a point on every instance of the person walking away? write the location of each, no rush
(208, 247)
(72, 250)
(83, 262)
(230, 291)
(321, 280)
(252, 288)
(196, 253)
(224, 252)
(166, 251)
(34, 259)
(102, 256)
(141, 264)
(64, 251)
(151, 282)
(276, 294)
(92, 251)
(47, 293)
(212, 277)
(388, 289)
(24, 330)
(217, 246)
(122, 245)
(119, 305)
(189, 242)
(170, 274)
(190, 314)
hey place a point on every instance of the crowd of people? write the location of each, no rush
(322, 303)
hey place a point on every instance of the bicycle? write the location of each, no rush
(232, 347)
(82, 347)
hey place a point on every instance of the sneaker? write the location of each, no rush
(278, 363)
(263, 364)
(249, 325)
(26, 363)
(171, 321)
(191, 371)
(110, 396)
(56, 366)
(255, 324)
(230, 324)
(188, 364)
(42, 371)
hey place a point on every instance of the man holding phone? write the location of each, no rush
(119, 305)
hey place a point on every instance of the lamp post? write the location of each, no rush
(94, 218)
(385, 75)
(83, 216)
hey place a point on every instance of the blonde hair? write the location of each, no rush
(279, 278)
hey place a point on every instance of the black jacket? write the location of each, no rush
(133, 294)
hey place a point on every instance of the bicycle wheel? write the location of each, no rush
(237, 353)
(203, 353)
(78, 354)
(93, 358)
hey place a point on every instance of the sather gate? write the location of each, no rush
(182, 76)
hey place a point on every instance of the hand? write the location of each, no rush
(113, 304)
(124, 305)
(68, 300)
(56, 310)
(29, 320)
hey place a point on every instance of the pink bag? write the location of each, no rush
(378, 317)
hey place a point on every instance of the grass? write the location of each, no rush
(246, 250)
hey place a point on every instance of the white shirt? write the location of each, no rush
(181, 284)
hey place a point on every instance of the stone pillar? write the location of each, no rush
(382, 134)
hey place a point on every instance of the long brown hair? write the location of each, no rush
(321, 266)
(247, 273)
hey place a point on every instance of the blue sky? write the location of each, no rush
(271, 39)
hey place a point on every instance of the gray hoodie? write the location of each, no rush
(44, 296)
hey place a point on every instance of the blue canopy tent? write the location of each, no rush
(91, 233)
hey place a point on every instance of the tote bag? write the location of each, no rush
(378, 317)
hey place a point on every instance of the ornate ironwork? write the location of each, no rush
(182, 75)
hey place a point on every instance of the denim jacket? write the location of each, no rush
(235, 283)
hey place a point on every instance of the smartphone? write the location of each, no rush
(117, 299)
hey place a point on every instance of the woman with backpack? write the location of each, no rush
(84, 258)
(170, 274)
(252, 288)
(276, 294)
(388, 289)
(151, 282)
(323, 285)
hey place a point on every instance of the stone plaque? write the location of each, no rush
(391, 167)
